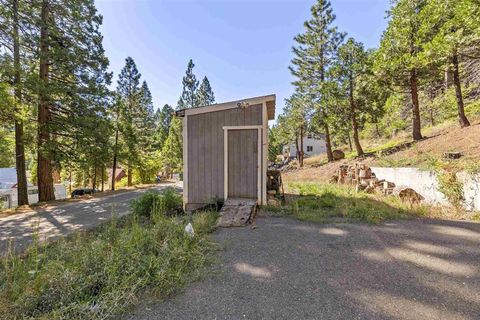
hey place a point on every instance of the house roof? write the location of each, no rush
(269, 100)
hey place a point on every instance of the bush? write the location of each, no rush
(168, 203)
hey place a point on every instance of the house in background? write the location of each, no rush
(9, 194)
(225, 151)
(313, 145)
(120, 173)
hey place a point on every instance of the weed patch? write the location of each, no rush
(318, 202)
(100, 273)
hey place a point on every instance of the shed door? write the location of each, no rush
(242, 163)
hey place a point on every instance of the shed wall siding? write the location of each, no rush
(205, 150)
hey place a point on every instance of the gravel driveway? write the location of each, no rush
(286, 269)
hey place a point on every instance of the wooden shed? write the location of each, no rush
(225, 151)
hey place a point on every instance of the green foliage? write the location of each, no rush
(7, 147)
(163, 117)
(323, 202)
(189, 97)
(314, 53)
(100, 274)
(204, 222)
(451, 187)
(168, 202)
(205, 94)
(172, 151)
(275, 143)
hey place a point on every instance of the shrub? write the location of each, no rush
(451, 187)
(168, 203)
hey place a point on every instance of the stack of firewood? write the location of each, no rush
(361, 176)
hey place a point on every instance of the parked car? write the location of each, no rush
(81, 192)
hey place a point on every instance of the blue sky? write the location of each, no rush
(243, 46)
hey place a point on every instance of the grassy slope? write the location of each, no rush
(426, 154)
(310, 198)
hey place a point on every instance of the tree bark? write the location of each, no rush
(129, 175)
(328, 143)
(349, 141)
(94, 180)
(22, 187)
(44, 163)
(416, 123)
(301, 147)
(103, 178)
(114, 166)
(462, 118)
(70, 179)
(297, 147)
(356, 139)
(377, 131)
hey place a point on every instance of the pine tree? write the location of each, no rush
(10, 30)
(72, 84)
(172, 152)
(146, 164)
(349, 67)
(313, 55)
(163, 117)
(296, 120)
(398, 57)
(189, 99)
(451, 29)
(130, 113)
(205, 94)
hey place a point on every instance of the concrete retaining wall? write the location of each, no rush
(425, 183)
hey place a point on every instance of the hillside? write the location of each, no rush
(401, 152)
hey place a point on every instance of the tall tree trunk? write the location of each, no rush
(297, 147)
(302, 153)
(462, 118)
(353, 113)
(349, 141)
(114, 166)
(377, 130)
(70, 179)
(114, 169)
(44, 163)
(328, 143)
(22, 188)
(129, 175)
(103, 178)
(416, 124)
(94, 181)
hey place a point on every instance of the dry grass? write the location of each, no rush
(425, 154)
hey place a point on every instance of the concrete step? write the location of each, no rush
(237, 212)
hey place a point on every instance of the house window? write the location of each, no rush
(32, 191)
(309, 148)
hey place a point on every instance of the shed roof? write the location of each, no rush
(269, 100)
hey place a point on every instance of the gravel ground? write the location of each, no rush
(286, 269)
(63, 218)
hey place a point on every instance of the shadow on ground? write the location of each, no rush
(288, 269)
(17, 231)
